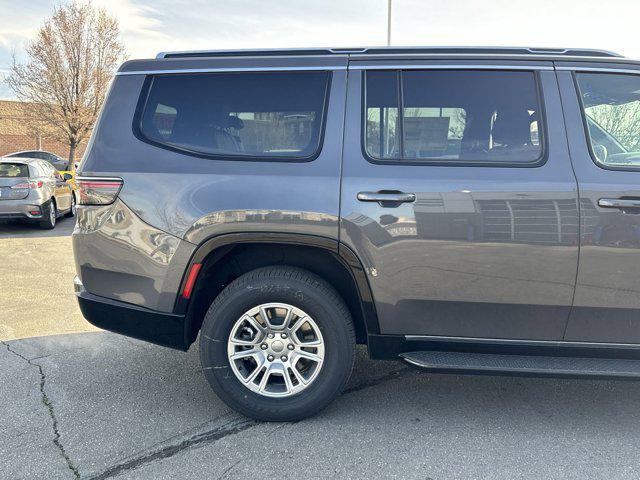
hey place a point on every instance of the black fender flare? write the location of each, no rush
(345, 255)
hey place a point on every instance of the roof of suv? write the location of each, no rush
(321, 58)
(358, 51)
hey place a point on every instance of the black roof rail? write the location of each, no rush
(556, 52)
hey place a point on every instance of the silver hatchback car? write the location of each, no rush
(33, 190)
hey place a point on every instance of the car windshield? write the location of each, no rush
(13, 170)
(612, 108)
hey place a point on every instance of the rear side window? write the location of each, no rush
(453, 116)
(611, 104)
(273, 115)
(14, 170)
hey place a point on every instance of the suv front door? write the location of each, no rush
(459, 198)
(602, 109)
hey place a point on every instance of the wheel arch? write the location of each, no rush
(225, 257)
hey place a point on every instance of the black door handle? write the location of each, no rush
(387, 198)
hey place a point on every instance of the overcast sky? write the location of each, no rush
(150, 26)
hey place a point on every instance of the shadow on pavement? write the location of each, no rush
(17, 229)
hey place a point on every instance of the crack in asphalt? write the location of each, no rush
(391, 375)
(227, 470)
(47, 403)
(230, 428)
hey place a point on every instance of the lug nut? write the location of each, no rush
(263, 346)
(271, 335)
(290, 346)
(283, 335)
(283, 358)
(270, 358)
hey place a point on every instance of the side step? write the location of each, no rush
(525, 365)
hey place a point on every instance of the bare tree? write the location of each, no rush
(70, 64)
(621, 121)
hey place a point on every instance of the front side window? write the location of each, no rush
(611, 105)
(276, 114)
(453, 116)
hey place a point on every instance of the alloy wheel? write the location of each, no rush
(275, 350)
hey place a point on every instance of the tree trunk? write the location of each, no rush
(72, 151)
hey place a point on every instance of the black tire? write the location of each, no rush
(48, 221)
(71, 213)
(301, 289)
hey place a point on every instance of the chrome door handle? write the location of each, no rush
(386, 197)
(618, 203)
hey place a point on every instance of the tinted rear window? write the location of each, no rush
(454, 116)
(14, 170)
(271, 115)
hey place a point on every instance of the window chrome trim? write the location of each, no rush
(598, 70)
(230, 70)
(448, 66)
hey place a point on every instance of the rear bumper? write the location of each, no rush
(19, 209)
(166, 329)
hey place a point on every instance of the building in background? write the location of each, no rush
(18, 131)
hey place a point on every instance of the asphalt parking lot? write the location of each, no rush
(63, 228)
(81, 403)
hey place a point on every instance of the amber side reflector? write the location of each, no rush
(191, 280)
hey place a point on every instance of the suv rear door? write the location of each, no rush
(488, 248)
(602, 110)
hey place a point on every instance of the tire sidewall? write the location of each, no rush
(74, 204)
(338, 357)
(49, 223)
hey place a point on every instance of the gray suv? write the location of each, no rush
(465, 210)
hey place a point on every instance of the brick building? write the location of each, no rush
(16, 133)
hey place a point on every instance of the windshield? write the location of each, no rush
(612, 107)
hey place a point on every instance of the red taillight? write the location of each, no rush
(98, 190)
(191, 280)
(25, 185)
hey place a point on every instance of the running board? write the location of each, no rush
(525, 365)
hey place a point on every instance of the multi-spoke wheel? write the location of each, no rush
(276, 349)
(277, 344)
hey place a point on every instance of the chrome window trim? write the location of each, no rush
(230, 70)
(598, 70)
(448, 66)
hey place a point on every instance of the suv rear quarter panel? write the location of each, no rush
(182, 200)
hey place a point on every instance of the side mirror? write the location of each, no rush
(67, 176)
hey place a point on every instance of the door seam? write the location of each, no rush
(342, 136)
(578, 204)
